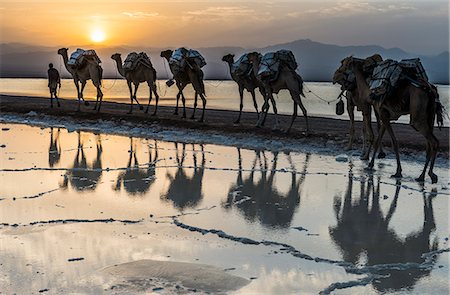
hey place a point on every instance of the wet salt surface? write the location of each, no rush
(287, 221)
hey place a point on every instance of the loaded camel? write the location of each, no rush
(287, 79)
(422, 106)
(245, 81)
(190, 74)
(90, 70)
(353, 99)
(142, 73)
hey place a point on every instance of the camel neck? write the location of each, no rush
(361, 84)
(119, 66)
(66, 60)
(255, 65)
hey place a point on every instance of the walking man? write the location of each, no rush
(53, 81)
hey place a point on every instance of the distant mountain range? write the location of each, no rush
(317, 61)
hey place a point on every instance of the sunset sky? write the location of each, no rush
(416, 26)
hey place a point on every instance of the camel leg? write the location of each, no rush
(136, 86)
(351, 114)
(367, 135)
(421, 178)
(99, 97)
(241, 104)
(183, 100)
(264, 110)
(255, 104)
(149, 97)
(195, 105)
(294, 115)
(375, 146)
(432, 147)
(275, 111)
(153, 88)
(204, 106)
(77, 85)
(381, 153)
(131, 97)
(297, 101)
(305, 113)
(178, 99)
(398, 173)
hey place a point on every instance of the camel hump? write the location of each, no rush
(384, 79)
(272, 62)
(134, 59)
(242, 67)
(287, 58)
(79, 57)
(182, 57)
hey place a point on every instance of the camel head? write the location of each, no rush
(344, 74)
(116, 56)
(166, 54)
(63, 51)
(254, 56)
(228, 58)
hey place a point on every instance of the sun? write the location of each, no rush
(98, 36)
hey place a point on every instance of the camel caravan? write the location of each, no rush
(387, 87)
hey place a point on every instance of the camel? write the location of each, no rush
(191, 74)
(353, 99)
(142, 73)
(84, 176)
(422, 106)
(91, 70)
(247, 82)
(287, 79)
(363, 230)
(264, 195)
(186, 191)
(137, 180)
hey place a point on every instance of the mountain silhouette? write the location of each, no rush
(317, 61)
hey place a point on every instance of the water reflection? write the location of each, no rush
(363, 230)
(259, 200)
(54, 149)
(136, 179)
(184, 191)
(81, 175)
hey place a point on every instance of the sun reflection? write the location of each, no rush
(98, 35)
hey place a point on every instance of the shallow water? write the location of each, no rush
(222, 95)
(75, 203)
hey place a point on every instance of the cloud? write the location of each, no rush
(140, 14)
(235, 14)
(348, 8)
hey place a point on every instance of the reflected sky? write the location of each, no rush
(69, 195)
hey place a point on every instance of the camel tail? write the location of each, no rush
(439, 116)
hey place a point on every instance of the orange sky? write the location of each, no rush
(238, 23)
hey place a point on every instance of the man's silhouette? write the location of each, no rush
(53, 81)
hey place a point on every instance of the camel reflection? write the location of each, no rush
(54, 149)
(136, 179)
(184, 191)
(259, 200)
(363, 229)
(83, 176)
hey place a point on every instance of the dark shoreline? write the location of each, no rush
(221, 122)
